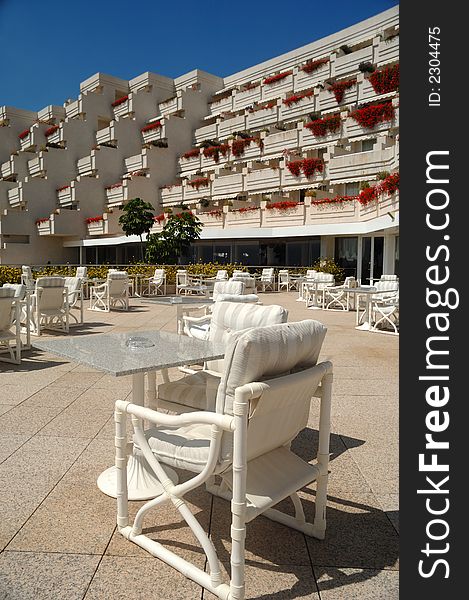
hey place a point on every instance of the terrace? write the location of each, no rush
(58, 531)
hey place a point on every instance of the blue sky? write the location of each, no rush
(47, 47)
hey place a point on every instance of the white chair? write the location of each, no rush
(314, 289)
(385, 311)
(74, 287)
(389, 278)
(27, 278)
(222, 275)
(111, 294)
(267, 280)
(284, 281)
(385, 287)
(337, 297)
(49, 306)
(156, 284)
(82, 272)
(247, 279)
(10, 317)
(262, 403)
(182, 281)
(190, 392)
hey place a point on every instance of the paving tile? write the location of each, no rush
(41, 576)
(5, 407)
(49, 396)
(9, 443)
(16, 394)
(357, 584)
(132, 578)
(25, 421)
(76, 421)
(80, 380)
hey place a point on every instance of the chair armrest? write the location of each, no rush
(197, 320)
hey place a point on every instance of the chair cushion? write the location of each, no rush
(184, 448)
(190, 391)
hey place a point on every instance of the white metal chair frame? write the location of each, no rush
(75, 292)
(155, 284)
(103, 297)
(10, 315)
(337, 297)
(385, 311)
(241, 476)
(267, 280)
(56, 318)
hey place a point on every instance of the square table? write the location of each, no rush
(111, 353)
(182, 304)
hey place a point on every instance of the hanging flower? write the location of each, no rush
(297, 97)
(309, 166)
(278, 77)
(314, 65)
(43, 220)
(191, 154)
(283, 205)
(335, 200)
(215, 213)
(61, 189)
(120, 100)
(23, 134)
(94, 219)
(385, 80)
(367, 195)
(214, 152)
(159, 218)
(370, 116)
(239, 146)
(340, 87)
(150, 126)
(200, 182)
(51, 130)
(389, 185)
(321, 127)
(114, 186)
(245, 209)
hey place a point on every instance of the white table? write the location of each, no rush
(111, 354)
(367, 292)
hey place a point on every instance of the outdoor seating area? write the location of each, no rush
(257, 413)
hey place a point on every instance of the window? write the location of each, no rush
(352, 189)
(346, 252)
(367, 145)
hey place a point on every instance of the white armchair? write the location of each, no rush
(27, 277)
(385, 313)
(262, 403)
(248, 280)
(74, 288)
(10, 327)
(49, 306)
(156, 284)
(113, 293)
(337, 297)
(267, 280)
(190, 392)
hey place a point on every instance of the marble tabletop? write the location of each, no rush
(175, 300)
(111, 353)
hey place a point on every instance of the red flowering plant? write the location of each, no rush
(369, 116)
(335, 200)
(283, 205)
(114, 186)
(309, 166)
(278, 77)
(214, 152)
(94, 219)
(170, 186)
(385, 80)
(159, 218)
(61, 189)
(297, 97)
(23, 134)
(191, 154)
(200, 182)
(389, 185)
(368, 194)
(51, 130)
(340, 87)
(321, 127)
(120, 101)
(250, 86)
(314, 65)
(266, 106)
(43, 220)
(245, 209)
(151, 126)
(215, 213)
(239, 146)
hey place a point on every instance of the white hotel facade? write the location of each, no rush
(232, 149)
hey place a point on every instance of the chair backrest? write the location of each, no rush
(18, 288)
(350, 282)
(158, 275)
(281, 356)
(310, 274)
(267, 274)
(239, 272)
(388, 277)
(283, 276)
(118, 282)
(50, 292)
(181, 277)
(27, 276)
(233, 316)
(245, 298)
(73, 285)
(222, 275)
(228, 287)
(82, 272)
(7, 297)
(386, 286)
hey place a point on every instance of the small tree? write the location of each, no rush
(179, 232)
(137, 219)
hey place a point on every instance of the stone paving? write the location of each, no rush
(58, 537)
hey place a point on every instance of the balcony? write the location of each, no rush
(304, 80)
(106, 224)
(16, 197)
(299, 109)
(388, 51)
(37, 167)
(263, 180)
(55, 136)
(86, 166)
(108, 135)
(240, 218)
(29, 140)
(264, 117)
(75, 109)
(66, 196)
(309, 140)
(124, 108)
(61, 223)
(155, 131)
(14, 167)
(219, 106)
(361, 164)
(292, 217)
(138, 187)
(385, 206)
(368, 94)
(172, 195)
(190, 165)
(194, 193)
(290, 182)
(51, 114)
(208, 163)
(171, 106)
(229, 126)
(227, 186)
(348, 64)
(277, 89)
(245, 98)
(354, 129)
(207, 132)
(345, 212)
(276, 143)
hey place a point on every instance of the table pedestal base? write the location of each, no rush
(142, 484)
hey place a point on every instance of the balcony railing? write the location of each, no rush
(155, 131)
(207, 132)
(277, 89)
(263, 180)
(247, 97)
(223, 105)
(107, 135)
(294, 111)
(36, 166)
(229, 126)
(227, 186)
(361, 164)
(327, 100)
(170, 106)
(15, 197)
(66, 196)
(305, 80)
(388, 51)
(192, 193)
(353, 129)
(190, 165)
(348, 64)
(172, 195)
(86, 166)
(276, 143)
(263, 117)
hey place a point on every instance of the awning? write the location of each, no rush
(228, 196)
(360, 138)
(352, 179)
(302, 186)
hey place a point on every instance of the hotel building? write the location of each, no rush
(287, 161)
